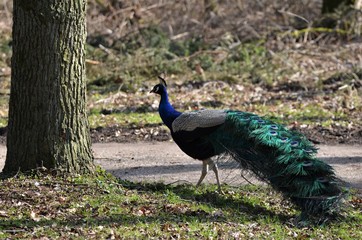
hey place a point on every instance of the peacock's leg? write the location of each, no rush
(205, 169)
(214, 167)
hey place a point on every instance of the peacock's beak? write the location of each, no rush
(154, 89)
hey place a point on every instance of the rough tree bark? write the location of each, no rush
(48, 124)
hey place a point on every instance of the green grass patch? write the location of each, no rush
(104, 207)
(310, 114)
(3, 121)
(96, 119)
(123, 119)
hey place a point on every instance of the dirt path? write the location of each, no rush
(163, 161)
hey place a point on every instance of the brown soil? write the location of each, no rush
(318, 134)
(159, 133)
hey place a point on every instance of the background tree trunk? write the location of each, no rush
(48, 123)
(330, 6)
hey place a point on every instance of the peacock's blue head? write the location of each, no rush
(159, 88)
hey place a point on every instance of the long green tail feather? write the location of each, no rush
(284, 158)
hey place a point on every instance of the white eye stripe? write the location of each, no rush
(157, 88)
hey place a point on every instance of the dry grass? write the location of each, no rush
(246, 20)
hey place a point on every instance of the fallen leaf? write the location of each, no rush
(3, 214)
(34, 216)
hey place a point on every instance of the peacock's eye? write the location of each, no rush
(273, 133)
(307, 163)
(322, 180)
(274, 127)
(157, 88)
(308, 150)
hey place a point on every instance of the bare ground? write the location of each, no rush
(164, 161)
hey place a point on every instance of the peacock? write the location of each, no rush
(283, 158)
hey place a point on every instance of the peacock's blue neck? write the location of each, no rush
(167, 112)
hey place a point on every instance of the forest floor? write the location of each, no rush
(279, 59)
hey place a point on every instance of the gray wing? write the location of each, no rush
(189, 121)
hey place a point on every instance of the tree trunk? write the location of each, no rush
(48, 125)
